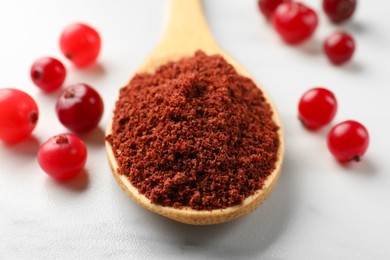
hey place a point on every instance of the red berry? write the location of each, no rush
(63, 156)
(348, 141)
(339, 10)
(317, 108)
(19, 115)
(267, 7)
(48, 74)
(295, 22)
(80, 43)
(80, 108)
(339, 47)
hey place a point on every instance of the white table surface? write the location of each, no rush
(319, 210)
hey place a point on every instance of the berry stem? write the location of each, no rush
(61, 139)
(33, 117)
(37, 75)
(69, 93)
(69, 55)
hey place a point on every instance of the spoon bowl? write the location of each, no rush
(187, 32)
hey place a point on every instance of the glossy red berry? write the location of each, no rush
(80, 43)
(339, 10)
(295, 22)
(267, 7)
(317, 108)
(80, 108)
(348, 141)
(48, 74)
(63, 156)
(18, 115)
(339, 47)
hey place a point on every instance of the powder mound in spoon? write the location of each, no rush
(194, 134)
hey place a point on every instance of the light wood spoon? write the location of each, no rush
(187, 32)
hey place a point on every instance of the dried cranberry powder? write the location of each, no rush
(195, 133)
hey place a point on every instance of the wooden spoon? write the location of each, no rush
(187, 32)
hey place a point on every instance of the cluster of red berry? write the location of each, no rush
(79, 107)
(348, 140)
(296, 22)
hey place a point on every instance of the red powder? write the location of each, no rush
(194, 134)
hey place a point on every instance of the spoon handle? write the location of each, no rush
(186, 29)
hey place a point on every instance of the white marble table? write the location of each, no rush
(319, 210)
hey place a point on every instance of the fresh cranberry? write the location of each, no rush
(348, 141)
(80, 43)
(295, 22)
(339, 47)
(267, 7)
(48, 74)
(63, 156)
(80, 108)
(317, 108)
(339, 10)
(19, 115)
